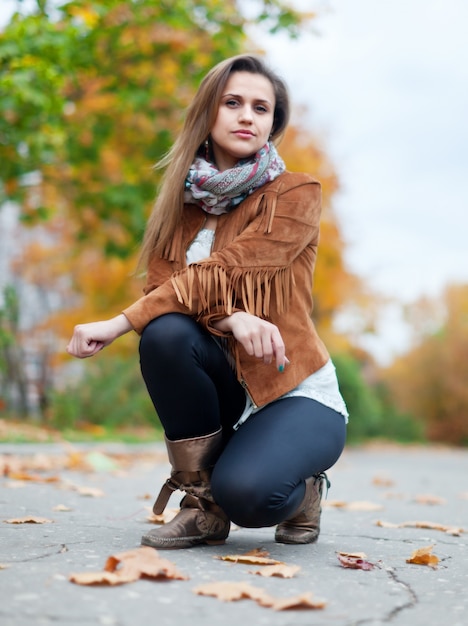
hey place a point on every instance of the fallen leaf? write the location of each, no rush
(4, 566)
(130, 566)
(234, 591)
(62, 507)
(450, 530)
(429, 499)
(304, 601)
(249, 559)
(29, 520)
(162, 518)
(424, 556)
(463, 495)
(97, 578)
(364, 506)
(91, 492)
(354, 560)
(359, 505)
(382, 481)
(281, 571)
(334, 504)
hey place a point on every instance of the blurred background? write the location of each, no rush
(92, 93)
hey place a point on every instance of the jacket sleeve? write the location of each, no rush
(248, 272)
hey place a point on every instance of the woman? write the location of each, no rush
(241, 382)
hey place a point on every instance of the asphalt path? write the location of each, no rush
(97, 498)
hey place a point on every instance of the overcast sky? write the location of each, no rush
(386, 86)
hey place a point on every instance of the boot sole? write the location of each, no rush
(174, 544)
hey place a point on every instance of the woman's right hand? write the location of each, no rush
(257, 336)
(89, 339)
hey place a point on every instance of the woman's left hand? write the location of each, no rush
(257, 336)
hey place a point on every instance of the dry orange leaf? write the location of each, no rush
(382, 481)
(233, 591)
(424, 556)
(29, 520)
(130, 566)
(249, 559)
(281, 571)
(359, 505)
(62, 507)
(450, 530)
(354, 560)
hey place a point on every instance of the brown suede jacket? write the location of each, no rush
(262, 262)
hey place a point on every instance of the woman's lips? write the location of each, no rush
(246, 134)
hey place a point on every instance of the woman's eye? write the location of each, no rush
(231, 103)
(261, 109)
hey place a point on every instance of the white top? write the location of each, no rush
(321, 386)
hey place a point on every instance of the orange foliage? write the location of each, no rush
(430, 380)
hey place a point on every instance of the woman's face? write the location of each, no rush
(244, 120)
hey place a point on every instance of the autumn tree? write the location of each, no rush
(429, 381)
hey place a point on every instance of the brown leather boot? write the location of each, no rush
(200, 520)
(304, 526)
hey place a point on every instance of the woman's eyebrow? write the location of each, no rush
(235, 95)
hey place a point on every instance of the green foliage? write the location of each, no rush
(372, 415)
(35, 63)
(109, 392)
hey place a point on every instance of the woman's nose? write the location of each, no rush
(245, 114)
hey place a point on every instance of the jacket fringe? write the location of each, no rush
(215, 289)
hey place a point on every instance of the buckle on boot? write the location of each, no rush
(163, 498)
(324, 478)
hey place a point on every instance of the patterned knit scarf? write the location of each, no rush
(219, 192)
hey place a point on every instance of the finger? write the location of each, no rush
(279, 351)
(267, 348)
(257, 345)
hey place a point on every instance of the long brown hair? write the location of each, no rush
(200, 117)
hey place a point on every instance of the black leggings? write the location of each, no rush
(259, 477)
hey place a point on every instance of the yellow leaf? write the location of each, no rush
(424, 556)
